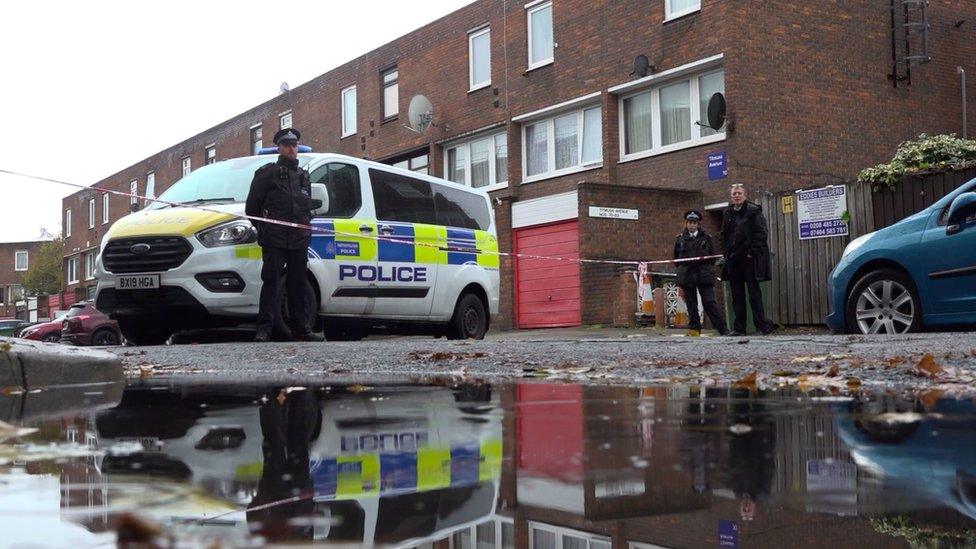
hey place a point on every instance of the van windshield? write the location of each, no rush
(226, 181)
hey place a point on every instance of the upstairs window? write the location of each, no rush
(134, 188)
(105, 203)
(479, 59)
(91, 213)
(679, 8)
(257, 139)
(391, 93)
(540, 34)
(210, 154)
(151, 185)
(186, 166)
(20, 260)
(67, 222)
(563, 144)
(284, 120)
(349, 111)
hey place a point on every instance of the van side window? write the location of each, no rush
(457, 208)
(401, 198)
(342, 183)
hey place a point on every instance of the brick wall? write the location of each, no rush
(9, 275)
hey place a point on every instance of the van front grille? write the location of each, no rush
(131, 255)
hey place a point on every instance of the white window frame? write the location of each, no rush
(17, 255)
(206, 154)
(15, 293)
(670, 15)
(346, 132)
(105, 204)
(90, 266)
(532, 8)
(67, 222)
(150, 184)
(551, 145)
(383, 86)
(656, 149)
(472, 85)
(473, 530)
(186, 166)
(91, 213)
(133, 191)
(560, 531)
(492, 163)
(250, 136)
(73, 270)
(285, 120)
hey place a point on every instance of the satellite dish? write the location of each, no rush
(284, 87)
(420, 113)
(716, 111)
(642, 66)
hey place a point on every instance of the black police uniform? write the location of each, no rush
(698, 277)
(282, 191)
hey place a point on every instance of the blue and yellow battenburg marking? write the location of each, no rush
(408, 243)
(429, 468)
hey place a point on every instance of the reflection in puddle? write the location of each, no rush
(523, 465)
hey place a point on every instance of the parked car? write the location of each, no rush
(919, 272)
(45, 331)
(85, 325)
(12, 328)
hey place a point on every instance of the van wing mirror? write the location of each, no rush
(320, 199)
(962, 209)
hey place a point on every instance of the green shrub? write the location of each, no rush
(927, 153)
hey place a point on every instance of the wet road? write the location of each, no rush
(495, 466)
(603, 356)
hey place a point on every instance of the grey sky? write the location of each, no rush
(88, 88)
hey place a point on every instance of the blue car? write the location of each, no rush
(919, 272)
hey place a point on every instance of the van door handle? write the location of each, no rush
(386, 229)
(366, 228)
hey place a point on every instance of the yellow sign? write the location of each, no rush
(787, 204)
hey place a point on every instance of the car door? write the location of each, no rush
(342, 254)
(950, 264)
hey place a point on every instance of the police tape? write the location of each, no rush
(383, 238)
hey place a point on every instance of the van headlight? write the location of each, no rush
(228, 234)
(855, 244)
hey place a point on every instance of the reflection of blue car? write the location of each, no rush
(930, 456)
(919, 271)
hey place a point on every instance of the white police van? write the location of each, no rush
(392, 248)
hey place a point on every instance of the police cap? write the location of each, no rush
(287, 135)
(693, 215)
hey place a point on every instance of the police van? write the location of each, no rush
(391, 248)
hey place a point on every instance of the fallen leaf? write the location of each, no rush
(748, 380)
(783, 373)
(930, 398)
(356, 389)
(853, 382)
(927, 367)
(834, 371)
(5, 346)
(281, 398)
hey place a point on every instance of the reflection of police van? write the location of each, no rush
(394, 248)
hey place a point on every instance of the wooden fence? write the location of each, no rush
(798, 292)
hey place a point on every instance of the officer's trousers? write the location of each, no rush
(275, 260)
(708, 303)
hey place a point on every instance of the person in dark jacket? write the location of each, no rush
(697, 277)
(747, 262)
(283, 191)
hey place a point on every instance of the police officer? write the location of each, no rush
(282, 191)
(697, 277)
(745, 241)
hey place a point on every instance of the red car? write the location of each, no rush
(47, 331)
(85, 325)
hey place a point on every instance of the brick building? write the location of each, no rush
(15, 260)
(538, 102)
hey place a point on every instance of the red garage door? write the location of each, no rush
(548, 290)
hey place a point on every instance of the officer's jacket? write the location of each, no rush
(694, 273)
(282, 191)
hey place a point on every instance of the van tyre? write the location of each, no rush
(136, 332)
(470, 320)
(884, 302)
(104, 337)
(282, 325)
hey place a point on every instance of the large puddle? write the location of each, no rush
(515, 465)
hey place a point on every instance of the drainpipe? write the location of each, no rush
(965, 117)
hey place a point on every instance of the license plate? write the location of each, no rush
(137, 282)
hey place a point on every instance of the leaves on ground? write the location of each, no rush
(928, 367)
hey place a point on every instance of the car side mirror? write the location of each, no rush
(321, 194)
(960, 211)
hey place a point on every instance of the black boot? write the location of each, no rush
(310, 336)
(262, 336)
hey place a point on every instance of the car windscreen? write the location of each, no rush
(75, 311)
(228, 179)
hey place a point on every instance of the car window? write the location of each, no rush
(402, 198)
(75, 311)
(457, 208)
(342, 184)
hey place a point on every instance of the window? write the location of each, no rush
(67, 223)
(540, 34)
(678, 8)
(210, 155)
(544, 536)
(16, 293)
(670, 117)
(342, 184)
(1, 295)
(401, 198)
(563, 144)
(349, 111)
(257, 139)
(284, 120)
(419, 164)
(89, 265)
(151, 185)
(20, 260)
(73, 270)
(186, 166)
(134, 189)
(391, 93)
(91, 213)
(481, 162)
(457, 208)
(479, 59)
(105, 203)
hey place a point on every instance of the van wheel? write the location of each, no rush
(136, 332)
(282, 321)
(104, 338)
(334, 332)
(884, 302)
(470, 320)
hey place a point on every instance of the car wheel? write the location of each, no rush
(142, 333)
(104, 338)
(51, 338)
(282, 321)
(470, 320)
(884, 302)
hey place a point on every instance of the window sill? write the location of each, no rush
(480, 87)
(388, 120)
(490, 188)
(345, 135)
(539, 65)
(570, 171)
(680, 15)
(717, 138)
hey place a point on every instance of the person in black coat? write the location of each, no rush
(747, 262)
(697, 277)
(283, 191)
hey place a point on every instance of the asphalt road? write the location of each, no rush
(594, 356)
